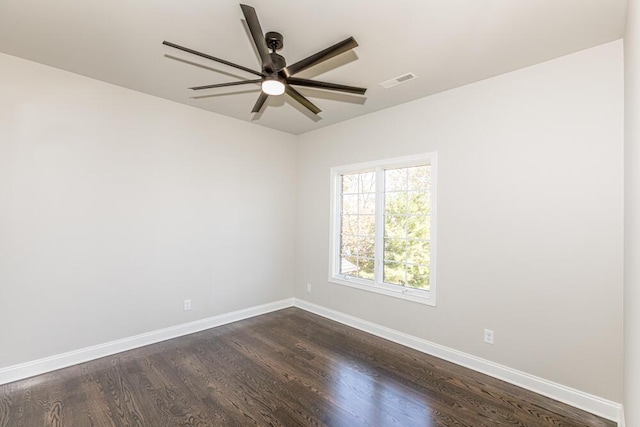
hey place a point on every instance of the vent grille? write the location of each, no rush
(398, 80)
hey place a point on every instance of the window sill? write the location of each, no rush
(422, 297)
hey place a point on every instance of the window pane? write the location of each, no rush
(419, 177)
(395, 179)
(366, 247)
(367, 203)
(418, 227)
(350, 224)
(350, 204)
(366, 268)
(349, 184)
(348, 245)
(367, 182)
(407, 226)
(394, 273)
(418, 252)
(418, 276)
(395, 250)
(348, 265)
(418, 202)
(395, 226)
(367, 225)
(395, 202)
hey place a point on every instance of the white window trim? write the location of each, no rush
(416, 295)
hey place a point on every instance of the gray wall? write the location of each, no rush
(116, 206)
(632, 216)
(530, 226)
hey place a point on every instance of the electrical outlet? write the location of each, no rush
(488, 336)
(309, 287)
(187, 305)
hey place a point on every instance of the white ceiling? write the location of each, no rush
(447, 43)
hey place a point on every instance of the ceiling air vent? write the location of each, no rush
(398, 80)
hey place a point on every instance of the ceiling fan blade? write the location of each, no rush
(213, 58)
(301, 99)
(323, 85)
(251, 17)
(323, 55)
(260, 102)
(242, 82)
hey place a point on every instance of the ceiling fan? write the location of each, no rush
(276, 76)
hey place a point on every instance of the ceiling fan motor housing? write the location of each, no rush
(275, 42)
(278, 62)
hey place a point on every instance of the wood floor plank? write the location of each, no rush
(449, 402)
(286, 368)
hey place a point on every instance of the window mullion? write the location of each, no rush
(379, 235)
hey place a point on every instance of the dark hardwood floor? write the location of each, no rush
(286, 368)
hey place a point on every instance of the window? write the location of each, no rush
(383, 227)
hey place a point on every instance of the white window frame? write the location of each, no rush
(377, 286)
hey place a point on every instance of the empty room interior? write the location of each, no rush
(410, 213)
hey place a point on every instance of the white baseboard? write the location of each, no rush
(593, 404)
(596, 405)
(59, 361)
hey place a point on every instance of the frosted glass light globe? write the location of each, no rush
(272, 86)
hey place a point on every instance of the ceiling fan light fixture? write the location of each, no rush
(273, 86)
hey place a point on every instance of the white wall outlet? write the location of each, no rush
(488, 336)
(309, 287)
(187, 305)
